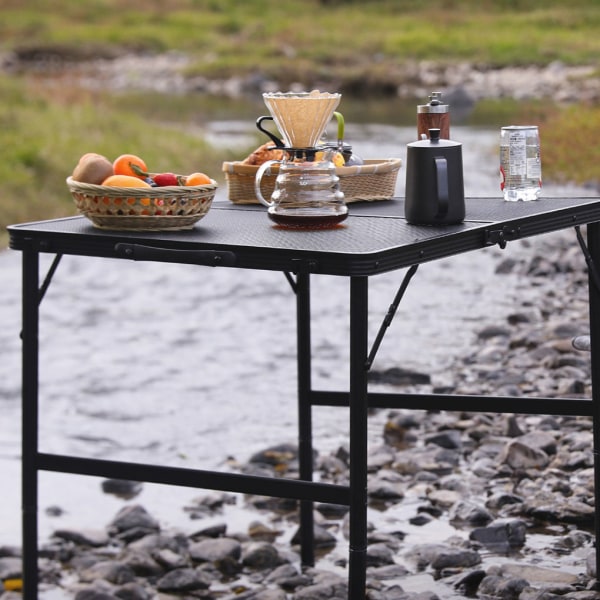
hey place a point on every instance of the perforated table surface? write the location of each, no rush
(375, 237)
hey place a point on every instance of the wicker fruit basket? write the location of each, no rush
(375, 180)
(170, 207)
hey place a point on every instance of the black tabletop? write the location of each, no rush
(374, 238)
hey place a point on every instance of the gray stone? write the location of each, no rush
(182, 580)
(142, 563)
(469, 512)
(323, 591)
(133, 517)
(498, 587)
(260, 555)
(212, 550)
(450, 557)
(110, 570)
(322, 537)
(134, 591)
(379, 555)
(87, 537)
(519, 455)
(501, 537)
(537, 575)
(450, 439)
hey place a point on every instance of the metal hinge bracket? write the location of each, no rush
(502, 236)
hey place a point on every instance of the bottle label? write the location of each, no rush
(517, 153)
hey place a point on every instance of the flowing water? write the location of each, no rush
(195, 367)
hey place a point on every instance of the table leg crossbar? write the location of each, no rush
(357, 399)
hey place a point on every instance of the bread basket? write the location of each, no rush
(374, 180)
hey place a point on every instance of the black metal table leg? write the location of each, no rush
(358, 437)
(305, 451)
(593, 239)
(29, 482)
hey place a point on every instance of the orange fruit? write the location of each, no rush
(125, 181)
(198, 179)
(130, 164)
(337, 159)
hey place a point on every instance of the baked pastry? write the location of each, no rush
(263, 154)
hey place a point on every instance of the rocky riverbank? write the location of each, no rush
(464, 83)
(461, 504)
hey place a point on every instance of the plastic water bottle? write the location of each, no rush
(520, 163)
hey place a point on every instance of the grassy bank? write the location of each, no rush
(46, 127)
(227, 36)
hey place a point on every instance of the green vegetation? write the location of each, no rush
(46, 125)
(227, 36)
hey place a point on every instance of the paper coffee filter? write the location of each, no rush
(301, 118)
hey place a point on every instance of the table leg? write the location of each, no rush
(358, 437)
(305, 450)
(29, 407)
(593, 240)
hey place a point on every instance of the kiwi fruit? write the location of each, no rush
(92, 168)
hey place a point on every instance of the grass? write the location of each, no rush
(228, 36)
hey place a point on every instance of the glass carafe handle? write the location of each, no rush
(264, 168)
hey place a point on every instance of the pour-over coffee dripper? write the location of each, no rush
(307, 192)
(301, 118)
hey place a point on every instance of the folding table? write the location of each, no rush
(374, 239)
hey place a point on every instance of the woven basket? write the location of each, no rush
(170, 207)
(375, 180)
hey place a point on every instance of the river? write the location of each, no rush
(194, 367)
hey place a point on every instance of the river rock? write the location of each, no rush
(386, 486)
(215, 550)
(142, 563)
(322, 537)
(122, 488)
(538, 575)
(399, 376)
(451, 557)
(520, 455)
(81, 537)
(469, 512)
(493, 586)
(155, 542)
(501, 537)
(182, 580)
(133, 522)
(449, 439)
(325, 586)
(110, 570)
(260, 555)
(379, 555)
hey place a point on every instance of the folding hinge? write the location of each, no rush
(502, 236)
